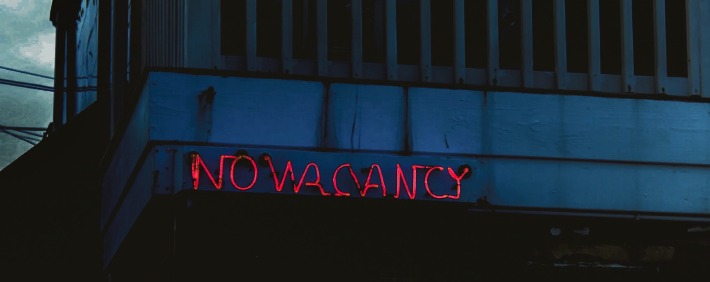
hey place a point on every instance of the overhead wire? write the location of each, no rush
(31, 141)
(26, 85)
(30, 135)
(26, 72)
(23, 128)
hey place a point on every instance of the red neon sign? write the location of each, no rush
(311, 177)
(254, 168)
(198, 163)
(335, 182)
(400, 178)
(312, 183)
(369, 185)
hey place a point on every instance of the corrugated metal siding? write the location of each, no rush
(163, 33)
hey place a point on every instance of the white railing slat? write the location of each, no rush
(659, 40)
(594, 59)
(560, 44)
(251, 34)
(425, 40)
(356, 47)
(459, 43)
(391, 38)
(527, 43)
(286, 35)
(493, 63)
(693, 46)
(627, 47)
(322, 36)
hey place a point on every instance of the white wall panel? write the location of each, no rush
(366, 117)
(446, 121)
(598, 128)
(597, 186)
(244, 110)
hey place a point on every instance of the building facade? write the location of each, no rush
(393, 140)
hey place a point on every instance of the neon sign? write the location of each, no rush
(244, 175)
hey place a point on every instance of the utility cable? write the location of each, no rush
(30, 133)
(26, 85)
(23, 128)
(31, 141)
(26, 72)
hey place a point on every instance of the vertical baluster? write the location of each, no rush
(251, 34)
(356, 60)
(425, 40)
(704, 44)
(659, 40)
(391, 34)
(627, 47)
(493, 63)
(527, 43)
(693, 43)
(286, 36)
(459, 42)
(322, 36)
(560, 44)
(594, 59)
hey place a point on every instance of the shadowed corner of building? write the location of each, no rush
(49, 215)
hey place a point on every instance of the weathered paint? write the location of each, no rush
(357, 115)
(272, 112)
(238, 111)
(446, 121)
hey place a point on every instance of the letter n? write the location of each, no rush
(400, 178)
(198, 163)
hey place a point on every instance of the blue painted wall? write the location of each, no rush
(528, 151)
(536, 150)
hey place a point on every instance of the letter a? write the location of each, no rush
(369, 185)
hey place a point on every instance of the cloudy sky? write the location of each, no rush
(26, 43)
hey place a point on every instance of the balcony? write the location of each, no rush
(594, 47)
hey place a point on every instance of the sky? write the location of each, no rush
(26, 43)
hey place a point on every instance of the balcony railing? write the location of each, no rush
(652, 48)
